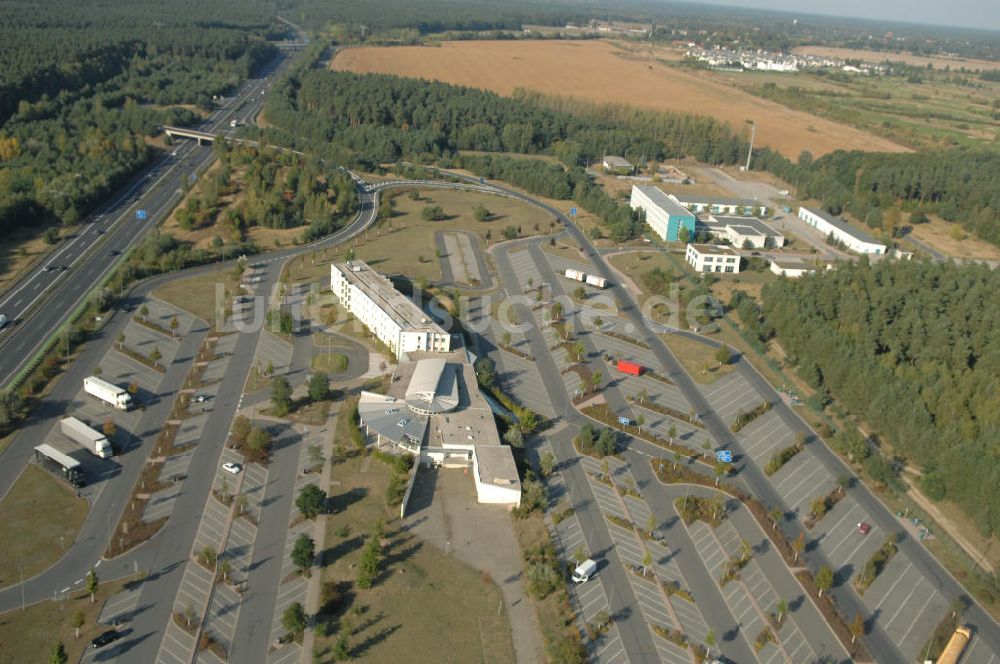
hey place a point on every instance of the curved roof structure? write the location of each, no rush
(433, 388)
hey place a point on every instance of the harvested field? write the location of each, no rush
(601, 71)
(908, 58)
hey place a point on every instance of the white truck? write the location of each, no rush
(575, 275)
(597, 281)
(584, 571)
(95, 441)
(107, 392)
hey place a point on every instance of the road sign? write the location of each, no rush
(140, 214)
(572, 212)
(624, 421)
(724, 456)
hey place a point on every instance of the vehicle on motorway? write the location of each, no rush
(3, 321)
(200, 398)
(956, 646)
(114, 252)
(104, 638)
(231, 467)
(95, 441)
(864, 528)
(584, 571)
(107, 392)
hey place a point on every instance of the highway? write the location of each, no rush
(41, 301)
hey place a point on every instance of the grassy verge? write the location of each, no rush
(331, 363)
(417, 592)
(28, 636)
(197, 294)
(698, 359)
(39, 518)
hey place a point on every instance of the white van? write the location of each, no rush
(3, 321)
(584, 571)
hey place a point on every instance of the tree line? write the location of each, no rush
(912, 349)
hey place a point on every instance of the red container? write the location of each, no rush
(629, 367)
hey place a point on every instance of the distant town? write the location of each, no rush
(723, 58)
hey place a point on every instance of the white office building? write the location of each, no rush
(853, 238)
(713, 258)
(388, 314)
(790, 267)
(742, 232)
(720, 204)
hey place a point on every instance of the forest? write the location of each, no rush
(912, 349)
(80, 91)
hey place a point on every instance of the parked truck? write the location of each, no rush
(584, 571)
(107, 392)
(599, 282)
(95, 441)
(631, 368)
(575, 275)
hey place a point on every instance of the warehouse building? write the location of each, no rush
(853, 238)
(663, 214)
(388, 314)
(790, 267)
(713, 258)
(435, 411)
(742, 232)
(617, 165)
(720, 204)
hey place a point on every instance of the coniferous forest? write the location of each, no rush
(912, 349)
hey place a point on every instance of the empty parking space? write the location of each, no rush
(840, 540)
(657, 392)
(161, 503)
(212, 526)
(662, 425)
(979, 652)
(161, 313)
(288, 653)
(621, 349)
(121, 606)
(765, 436)
(521, 380)
(223, 614)
(273, 352)
(907, 605)
(731, 395)
(802, 480)
(176, 647)
(190, 430)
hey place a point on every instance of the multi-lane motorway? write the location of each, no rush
(44, 299)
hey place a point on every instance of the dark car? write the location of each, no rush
(105, 638)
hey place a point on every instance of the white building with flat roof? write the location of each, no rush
(663, 214)
(720, 204)
(742, 232)
(713, 258)
(388, 314)
(853, 238)
(790, 267)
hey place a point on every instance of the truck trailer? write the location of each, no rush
(107, 392)
(60, 464)
(629, 367)
(575, 275)
(599, 282)
(95, 441)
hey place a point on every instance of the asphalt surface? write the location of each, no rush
(44, 298)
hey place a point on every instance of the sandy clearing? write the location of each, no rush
(600, 71)
(908, 58)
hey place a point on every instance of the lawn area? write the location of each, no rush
(34, 515)
(405, 244)
(698, 359)
(747, 281)
(422, 601)
(953, 240)
(28, 636)
(636, 264)
(331, 363)
(198, 294)
(21, 247)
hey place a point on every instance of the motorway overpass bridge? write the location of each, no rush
(200, 136)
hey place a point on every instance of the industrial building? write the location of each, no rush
(720, 204)
(617, 165)
(853, 238)
(663, 214)
(713, 258)
(388, 314)
(435, 411)
(790, 267)
(742, 231)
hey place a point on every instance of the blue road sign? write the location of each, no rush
(572, 212)
(724, 456)
(140, 214)
(624, 421)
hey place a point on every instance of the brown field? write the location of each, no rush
(601, 71)
(908, 58)
(938, 234)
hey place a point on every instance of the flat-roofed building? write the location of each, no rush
(388, 314)
(663, 214)
(790, 267)
(435, 411)
(713, 258)
(720, 204)
(617, 165)
(742, 231)
(832, 226)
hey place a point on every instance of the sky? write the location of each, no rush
(962, 13)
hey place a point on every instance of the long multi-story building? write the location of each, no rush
(663, 214)
(392, 317)
(853, 238)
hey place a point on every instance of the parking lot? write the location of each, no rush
(731, 395)
(273, 352)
